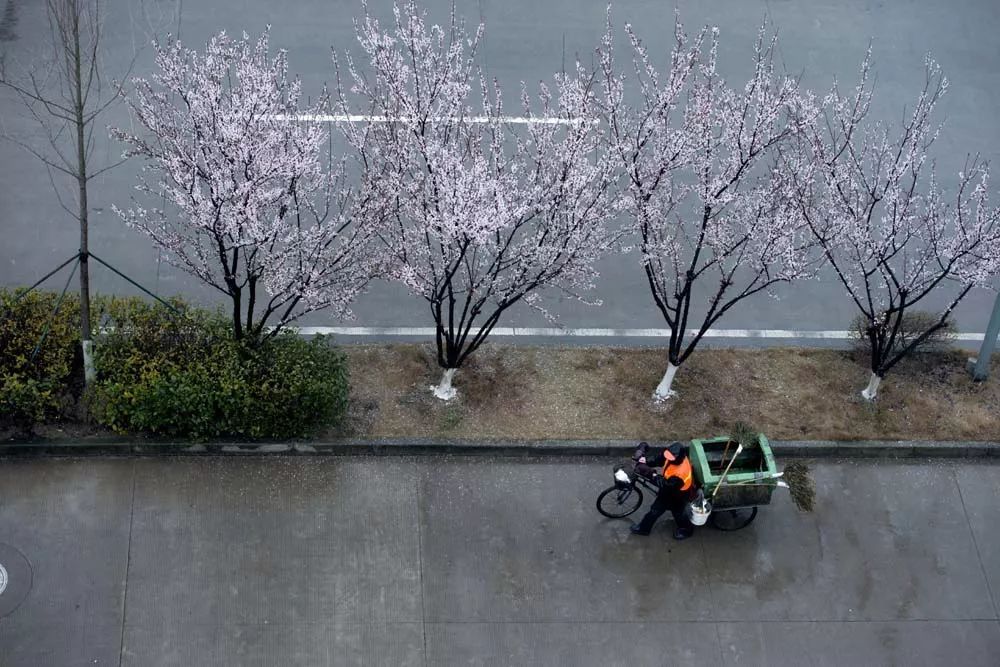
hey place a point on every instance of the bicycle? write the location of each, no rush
(625, 497)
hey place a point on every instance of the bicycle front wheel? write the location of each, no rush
(616, 503)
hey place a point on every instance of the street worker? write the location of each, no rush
(676, 489)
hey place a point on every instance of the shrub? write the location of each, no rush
(186, 376)
(914, 323)
(37, 388)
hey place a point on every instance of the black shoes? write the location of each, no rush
(679, 534)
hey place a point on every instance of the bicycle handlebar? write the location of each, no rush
(640, 451)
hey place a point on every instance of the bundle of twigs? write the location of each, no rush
(744, 434)
(800, 485)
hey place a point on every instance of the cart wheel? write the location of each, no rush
(616, 502)
(733, 519)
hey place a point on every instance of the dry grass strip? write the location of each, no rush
(592, 393)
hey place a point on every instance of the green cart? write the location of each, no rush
(735, 480)
(736, 487)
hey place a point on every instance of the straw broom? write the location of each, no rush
(800, 485)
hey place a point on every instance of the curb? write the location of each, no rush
(506, 448)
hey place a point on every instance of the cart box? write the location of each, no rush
(750, 480)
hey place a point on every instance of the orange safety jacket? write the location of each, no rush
(682, 470)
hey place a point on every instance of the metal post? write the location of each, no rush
(980, 366)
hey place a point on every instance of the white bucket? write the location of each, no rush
(698, 512)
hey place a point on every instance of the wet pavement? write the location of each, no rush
(472, 561)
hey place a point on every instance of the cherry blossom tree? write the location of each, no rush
(487, 214)
(892, 235)
(253, 208)
(710, 208)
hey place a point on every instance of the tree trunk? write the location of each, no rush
(86, 343)
(444, 390)
(869, 392)
(235, 294)
(663, 390)
(88, 346)
(81, 179)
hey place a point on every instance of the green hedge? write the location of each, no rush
(42, 388)
(186, 377)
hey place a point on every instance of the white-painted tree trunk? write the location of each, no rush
(663, 390)
(89, 373)
(871, 390)
(444, 390)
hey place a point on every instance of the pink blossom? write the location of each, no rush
(892, 236)
(711, 211)
(486, 214)
(249, 201)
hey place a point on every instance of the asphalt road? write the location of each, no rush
(470, 561)
(526, 40)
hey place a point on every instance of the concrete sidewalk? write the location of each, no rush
(458, 560)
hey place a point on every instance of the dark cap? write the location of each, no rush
(674, 451)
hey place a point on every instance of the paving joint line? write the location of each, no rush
(128, 565)
(711, 597)
(975, 545)
(420, 570)
(686, 621)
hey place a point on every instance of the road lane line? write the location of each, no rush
(591, 332)
(549, 331)
(351, 118)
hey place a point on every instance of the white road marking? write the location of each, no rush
(511, 120)
(549, 331)
(597, 332)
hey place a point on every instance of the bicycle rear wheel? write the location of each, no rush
(616, 503)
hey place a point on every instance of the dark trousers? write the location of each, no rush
(675, 501)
